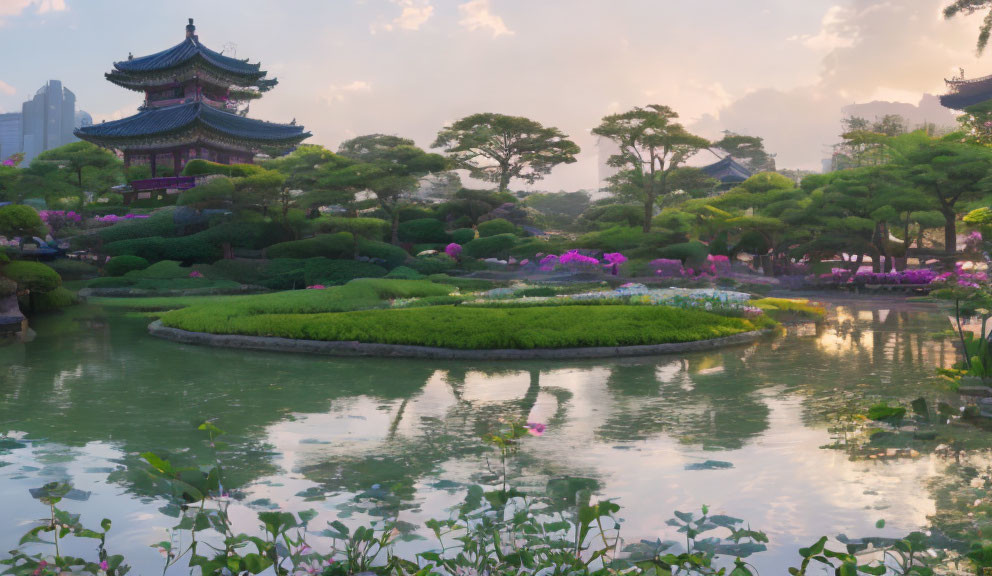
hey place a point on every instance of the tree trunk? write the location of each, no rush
(395, 234)
(504, 178)
(950, 232)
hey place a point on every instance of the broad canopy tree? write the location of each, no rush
(750, 150)
(652, 145)
(499, 148)
(388, 166)
(968, 7)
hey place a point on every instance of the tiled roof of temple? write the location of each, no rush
(171, 119)
(728, 171)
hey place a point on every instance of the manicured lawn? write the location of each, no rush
(472, 328)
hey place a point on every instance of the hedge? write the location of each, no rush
(74, 269)
(404, 273)
(423, 231)
(470, 328)
(340, 245)
(436, 264)
(166, 269)
(334, 272)
(53, 300)
(463, 236)
(188, 249)
(490, 247)
(497, 226)
(160, 223)
(121, 265)
(392, 255)
(688, 252)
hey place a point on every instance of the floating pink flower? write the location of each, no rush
(536, 428)
(104, 566)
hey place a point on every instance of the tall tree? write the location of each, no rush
(305, 169)
(652, 144)
(79, 156)
(948, 171)
(748, 149)
(263, 189)
(499, 148)
(388, 166)
(970, 7)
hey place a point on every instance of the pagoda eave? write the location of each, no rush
(199, 136)
(140, 82)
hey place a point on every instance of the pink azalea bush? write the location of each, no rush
(316, 287)
(196, 274)
(453, 250)
(58, 219)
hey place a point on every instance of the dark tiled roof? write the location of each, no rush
(184, 52)
(727, 171)
(155, 121)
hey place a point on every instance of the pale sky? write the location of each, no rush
(780, 69)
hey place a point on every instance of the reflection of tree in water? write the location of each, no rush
(117, 384)
(708, 399)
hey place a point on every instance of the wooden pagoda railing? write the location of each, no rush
(174, 182)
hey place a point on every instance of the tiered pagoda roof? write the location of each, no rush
(964, 93)
(186, 60)
(727, 171)
(192, 121)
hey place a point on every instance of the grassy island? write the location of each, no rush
(360, 311)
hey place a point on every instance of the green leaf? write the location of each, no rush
(105, 524)
(163, 466)
(814, 549)
(255, 563)
(880, 524)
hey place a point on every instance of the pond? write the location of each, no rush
(742, 429)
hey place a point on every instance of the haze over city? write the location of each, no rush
(778, 69)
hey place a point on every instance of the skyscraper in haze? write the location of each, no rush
(48, 120)
(10, 134)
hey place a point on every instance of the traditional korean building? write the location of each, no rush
(728, 171)
(196, 104)
(963, 93)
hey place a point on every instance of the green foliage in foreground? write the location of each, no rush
(121, 265)
(470, 328)
(785, 309)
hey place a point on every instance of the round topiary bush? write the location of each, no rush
(435, 264)
(423, 231)
(497, 226)
(121, 265)
(491, 247)
(463, 236)
(329, 272)
(404, 273)
(20, 220)
(33, 276)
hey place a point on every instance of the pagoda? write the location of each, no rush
(196, 104)
(964, 93)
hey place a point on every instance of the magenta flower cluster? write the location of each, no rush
(112, 218)
(913, 277)
(714, 266)
(48, 216)
(196, 274)
(453, 250)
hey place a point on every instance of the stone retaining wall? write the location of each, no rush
(339, 348)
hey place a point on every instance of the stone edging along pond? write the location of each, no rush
(340, 348)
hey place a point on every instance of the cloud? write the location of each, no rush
(6, 89)
(413, 15)
(336, 93)
(476, 15)
(12, 8)
(869, 50)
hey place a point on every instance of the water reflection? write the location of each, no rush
(94, 391)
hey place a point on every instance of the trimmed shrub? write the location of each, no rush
(20, 220)
(60, 297)
(423, 231)
(333, 272)
(238, 270)
(621, 238)
(497, 226)
(338, 245)
(404, 273)
(463, 236)
(283, 274)
(121, 265)
(33, 276)
(111, 282)
(490, 247)
(254, 235)
(530, 247)
(464, 284)
(393, 255)
(160, 223)
(74, 269)
(613, 214)
(435, 264)
(688, 252)
(213, 194)
(187, 249)
(415, 213)
(166, 269)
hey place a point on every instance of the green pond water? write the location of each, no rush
(358, 437)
